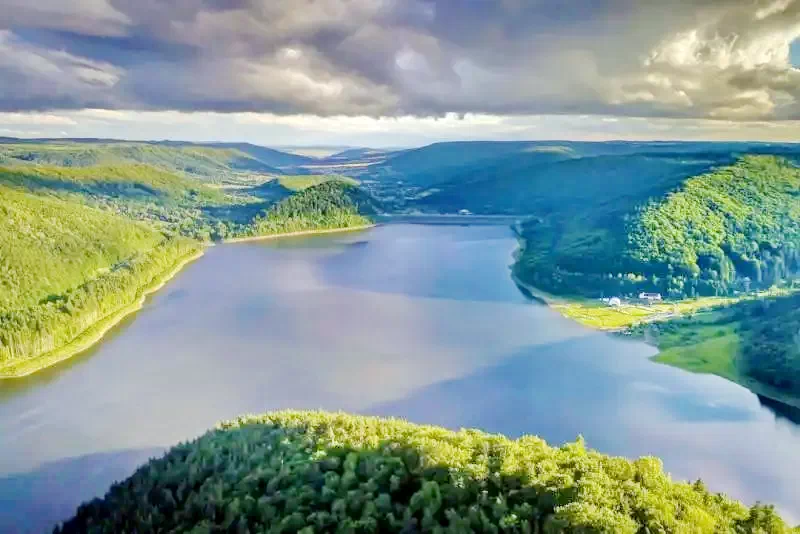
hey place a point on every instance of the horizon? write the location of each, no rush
(385, 73)
(396, 148)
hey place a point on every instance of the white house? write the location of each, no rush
(615, 302)
(650, 297)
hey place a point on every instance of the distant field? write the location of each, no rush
(596, 314)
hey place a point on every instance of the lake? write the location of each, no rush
(407, 320)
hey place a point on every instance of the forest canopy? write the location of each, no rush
(322, 472)
(734, 229)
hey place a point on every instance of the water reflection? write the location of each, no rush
(414, 321)
(39, 496)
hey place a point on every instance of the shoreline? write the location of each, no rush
(298, 234)
(97, 331)
(559, 304)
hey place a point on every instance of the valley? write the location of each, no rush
(420, 322)
(442, 252)
(702, 226)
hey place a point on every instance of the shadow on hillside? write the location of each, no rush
(781, 410)
(238, 213)
(119, 189)
(34, 502)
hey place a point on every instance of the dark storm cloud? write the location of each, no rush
(678, 58)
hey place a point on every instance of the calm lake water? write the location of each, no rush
(417, 321)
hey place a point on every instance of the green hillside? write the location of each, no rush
(548, 182)
(284, 186)
(65, 266)
(461, 166)
(331, 204)
(319, 472)
(267, 156)
(438, 162)
(172, 202)
(738, 227)
(208, 163)
(732, 229)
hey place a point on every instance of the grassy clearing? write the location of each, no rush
(704, 349)
(601, 316)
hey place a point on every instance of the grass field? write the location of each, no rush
(599, 315)
(702, 349)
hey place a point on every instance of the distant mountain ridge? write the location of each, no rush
(443, 162)
(182, 156)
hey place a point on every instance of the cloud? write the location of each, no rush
(91, 17)
(39, 78)
(727, 59)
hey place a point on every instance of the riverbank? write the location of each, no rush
(704, 348)
(96, 332)
(299, 233)
(451, 219)
(600, 316)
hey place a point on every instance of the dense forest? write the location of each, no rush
(84, 240)
(318, 472)
(65, 266)
(733, 229)
(770, 348)
(332, 204)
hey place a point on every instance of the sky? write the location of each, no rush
(400, 72)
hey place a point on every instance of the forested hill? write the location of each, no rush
(454, 164)
(553, 182)
(317, 472)
(332, 204)
(735, 228)
(210, 162)
(66, 267)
